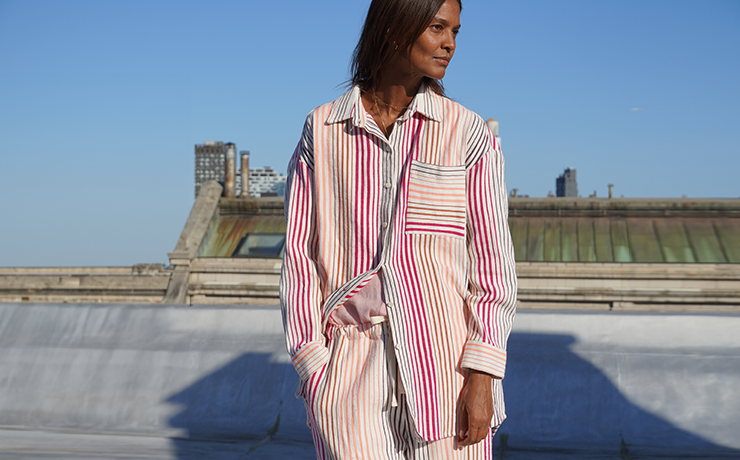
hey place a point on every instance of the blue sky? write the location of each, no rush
(102, 101)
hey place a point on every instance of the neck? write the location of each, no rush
(389, 99)
(394, 96)
(397, 88)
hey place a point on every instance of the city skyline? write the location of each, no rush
(211, 164)
(100, 104)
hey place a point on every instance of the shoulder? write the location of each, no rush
(316, 117)
(478, 138)
(461, 114)
(454, 113)
(340, 109)
(319, 119)
(316, 112)
(464, 118)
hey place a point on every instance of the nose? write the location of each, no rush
(448, 44)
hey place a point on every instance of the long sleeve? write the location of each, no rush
(492, 284)
(300, 283)
(427, 208)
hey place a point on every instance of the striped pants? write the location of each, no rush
(351, 410)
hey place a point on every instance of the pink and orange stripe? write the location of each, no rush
(428, 207)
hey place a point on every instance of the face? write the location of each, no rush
(433, 50)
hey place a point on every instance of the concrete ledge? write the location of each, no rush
(76, 282)
(196, 227)
(139, 269)
(248, 281)
(198, 221)
(566, 285)
(177, 289)
(632, 270)
(139, 283)
(576, 381)
(628, 307)
(235, 265)
(222, 289)
(234, 299)
(661, 383)
(156, 370)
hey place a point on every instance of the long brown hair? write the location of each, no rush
(391, 25)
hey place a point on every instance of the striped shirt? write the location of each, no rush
(428, 207)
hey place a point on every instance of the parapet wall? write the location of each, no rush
(139, 283)
(571, 285)
(158, 370)
(605, 286)
(575, 382)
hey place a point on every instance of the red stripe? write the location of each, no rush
(457, 218)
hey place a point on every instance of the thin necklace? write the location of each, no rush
(377, 99)
(384, 126)
(382, 117)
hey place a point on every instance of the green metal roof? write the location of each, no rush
(631, 239)
(625, 230)
(554, 229)
(235, 218)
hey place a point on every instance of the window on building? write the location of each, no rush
(260, 245)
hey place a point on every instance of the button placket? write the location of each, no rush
(392, 168)
(389, 180)
(387, 193)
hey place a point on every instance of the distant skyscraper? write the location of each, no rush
(266, 182)
(565, 184)
(210, 163)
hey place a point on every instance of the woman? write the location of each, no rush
(398, 287)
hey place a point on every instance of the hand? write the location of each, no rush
(475, 408)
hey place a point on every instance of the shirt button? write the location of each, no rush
(387, 185)
(385, 224)
(389, 305)
(398, 347)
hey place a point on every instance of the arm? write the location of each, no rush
(491, 296)
(300, 285)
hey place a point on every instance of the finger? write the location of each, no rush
(462, 421)
(475, 435)
(466, 439)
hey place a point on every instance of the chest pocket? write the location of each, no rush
(436, 203)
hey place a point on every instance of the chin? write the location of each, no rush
(435, 75)
(439, 74)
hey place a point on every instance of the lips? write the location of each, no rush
(443, 60)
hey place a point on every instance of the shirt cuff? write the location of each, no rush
(310, 358)
(485, 358)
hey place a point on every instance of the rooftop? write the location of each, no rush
(670, 230)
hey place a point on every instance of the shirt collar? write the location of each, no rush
(349, 106)
(429, 103)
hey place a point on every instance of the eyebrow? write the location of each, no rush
(443, 20)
